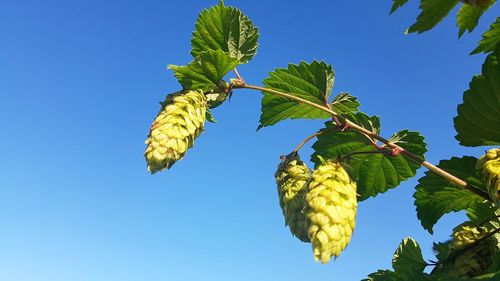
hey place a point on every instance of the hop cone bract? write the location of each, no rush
(488, 167)
(474, 261)
(292, 178)
(331, 210)
(180, 121)
(466, 234)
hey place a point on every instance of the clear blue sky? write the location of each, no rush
(80, 83)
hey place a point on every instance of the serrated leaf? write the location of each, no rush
(210, 117)
(310, 81)
(382, 275)
(227, 29)
(441, 250)
(408, 261)
(374, 172)
(482, 211)
(396, 4)
(490, 39)
(433, 11)
(344, 103)
(435, 196)
(478, 120)
(468, 17)
(371, 123)
(206, 71)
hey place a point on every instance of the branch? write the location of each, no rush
(417, 159)
(305, 141)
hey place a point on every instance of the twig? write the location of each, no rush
(417, 159)
(305, 141)
(238, 75)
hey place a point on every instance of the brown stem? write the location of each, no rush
(238, 75)
(305, 141)
(415, 158)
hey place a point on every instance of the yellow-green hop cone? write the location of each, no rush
(488, 167)
(466, 234)
(474, 261)
(331, 210)
(292, 178)
(180, 121)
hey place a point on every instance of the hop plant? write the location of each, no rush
(179, 123)
(292, 178)
(474, 261)
(488, 167)
(331, 210)
(466, 234)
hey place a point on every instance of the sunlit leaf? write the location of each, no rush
(491, 38)
(206, 71)
(374, 172)
(227, 29)
(309, 81)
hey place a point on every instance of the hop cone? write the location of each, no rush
(180, 121)
(488, 167)
(292, 178)
(331, 210)
(466, 234)
(474, 261)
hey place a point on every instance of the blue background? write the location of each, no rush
(80, 83)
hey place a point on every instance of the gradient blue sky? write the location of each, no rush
(80, 83)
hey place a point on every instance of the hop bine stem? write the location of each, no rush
(351, 125)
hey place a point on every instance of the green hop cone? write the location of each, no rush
(466, 234)
(292, 178)
(473, 261)
(180, 121)
(488, 167)
(331, 210)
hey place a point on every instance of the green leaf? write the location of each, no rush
(468, 17)
(435, 196)
(206, 71)
(382, 275)
(310, 81)
(433, 11)
(227, 29)
(397, 4)
(490, 39)
(408, 261)
(441, 250)
(344, 103)
(374, 172)
(478, 120)
(482, 211)
(210, 117)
